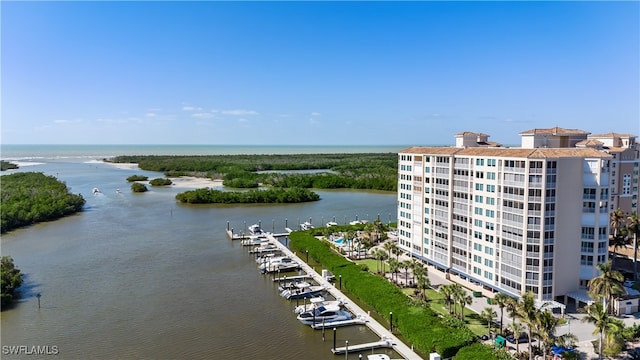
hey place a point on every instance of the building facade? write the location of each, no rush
(534, 218)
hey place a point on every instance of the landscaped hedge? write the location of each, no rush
(420, 325)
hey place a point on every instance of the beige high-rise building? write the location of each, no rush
(533, 218)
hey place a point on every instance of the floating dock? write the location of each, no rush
(384, 343)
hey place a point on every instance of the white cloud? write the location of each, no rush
(313, 121)
(202, 115)
(67, 121)
(243, 120)
(150, 114)
(315, 114)
(239, 112)
(191, 108)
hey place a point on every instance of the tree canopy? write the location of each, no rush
(32, 197)
(208, 196)
(11, 279)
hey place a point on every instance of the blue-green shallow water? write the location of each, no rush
(141, 276)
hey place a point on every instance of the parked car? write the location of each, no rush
(628, 283)
(524, 337)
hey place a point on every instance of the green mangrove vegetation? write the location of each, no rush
(209, 196)
(10, 280)
(137, 178)
(32, 197)
(374, 171)
(5, 165)
(160, 182)
(418, 323)
(138, 187)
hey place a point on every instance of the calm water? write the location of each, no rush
(141, 276)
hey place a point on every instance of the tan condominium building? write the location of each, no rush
(533, 218)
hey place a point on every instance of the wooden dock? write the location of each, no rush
(384, 343)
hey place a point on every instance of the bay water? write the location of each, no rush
(141, 276)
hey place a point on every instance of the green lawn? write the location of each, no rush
(435, 301)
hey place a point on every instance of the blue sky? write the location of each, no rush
(315, 73)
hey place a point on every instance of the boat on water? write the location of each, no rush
(282, 267)
(306, 225)
(378, 357)
(255, 230)
(292, 285)
(254, 241)
(278, 263)
(324, 314)
(95, 191)
(302, 291)
(332, 223)
(317, 302)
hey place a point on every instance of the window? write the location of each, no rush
(479, 187)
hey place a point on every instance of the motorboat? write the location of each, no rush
(292, 285)
(254, 241)
(282, 267)
(302, 291)
(306, 226)
(332, 223)
(378, 357)
(324, 314)
(255, 230)
(317, 302)
(95, 191)
(280, 263)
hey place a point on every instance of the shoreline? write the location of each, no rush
(188, 182)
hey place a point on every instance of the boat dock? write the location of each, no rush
(383, 332)
(246, 236)
(384, 343)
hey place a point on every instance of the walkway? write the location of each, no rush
(401, 348)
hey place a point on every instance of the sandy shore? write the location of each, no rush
(195, 182)
(189, 182)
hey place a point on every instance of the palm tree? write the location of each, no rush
(415, 264)
(607, 285)
(633, 226)
(501, 299)
(461, 297)
(488, 314)
(546, 328)
(447, 293)
(517, 329)
(394, 266)
(389, 246)
(406, 265)
(423, 280)
(605, 324)
(528, 312)
(617, 220)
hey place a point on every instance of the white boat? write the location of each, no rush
(255, 230)
(302, 291)
(332, 223)
(281, 263)
(355, 222)
(316, 302)
(292, 285)
(378, 357)
(324, 314)
(255, 240)
(95, 190)
(306, 225)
